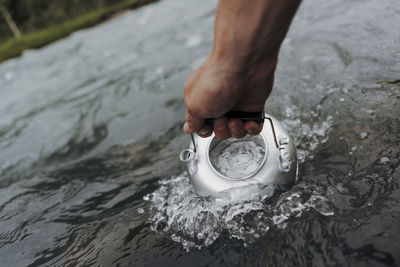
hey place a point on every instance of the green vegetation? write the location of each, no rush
(14, 47)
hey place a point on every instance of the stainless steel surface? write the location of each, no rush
(279, 166)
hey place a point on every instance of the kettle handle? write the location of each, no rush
(257, 117)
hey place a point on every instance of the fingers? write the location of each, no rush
(225, 128)
(236, 128)
(221, 128)
(253, 128)
(192, 124)
(205, 131)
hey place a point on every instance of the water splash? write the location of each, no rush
(196, 222)
(307, 132)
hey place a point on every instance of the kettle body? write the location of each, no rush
(276, 167)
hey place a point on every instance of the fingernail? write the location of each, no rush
(186, 128)
(203, 131)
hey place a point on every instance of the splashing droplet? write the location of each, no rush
(363, 135)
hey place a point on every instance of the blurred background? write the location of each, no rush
(90, 134)
(31, 24)
(32, 15)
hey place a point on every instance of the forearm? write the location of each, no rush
(239, 72)
(248, 32)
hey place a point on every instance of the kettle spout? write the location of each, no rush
(190, 158)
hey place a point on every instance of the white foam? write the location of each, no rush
(196, 222)
(384, 160)
(309, 133)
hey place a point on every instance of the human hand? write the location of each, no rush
(239, 72)
(218, 87)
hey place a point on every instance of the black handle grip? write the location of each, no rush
(243, 116)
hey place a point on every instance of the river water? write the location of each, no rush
(90, 134)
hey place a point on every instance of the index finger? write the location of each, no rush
(193, 123)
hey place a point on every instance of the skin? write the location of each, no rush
(238, 74)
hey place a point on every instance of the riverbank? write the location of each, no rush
(15, 47)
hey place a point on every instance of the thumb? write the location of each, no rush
(193, 123)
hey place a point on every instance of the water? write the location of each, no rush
(197, 222)
(90, 134)
(237, 158)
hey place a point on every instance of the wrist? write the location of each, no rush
(246, 68)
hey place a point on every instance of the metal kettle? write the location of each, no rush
(277, 166)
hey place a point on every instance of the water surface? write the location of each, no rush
(90, 134)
